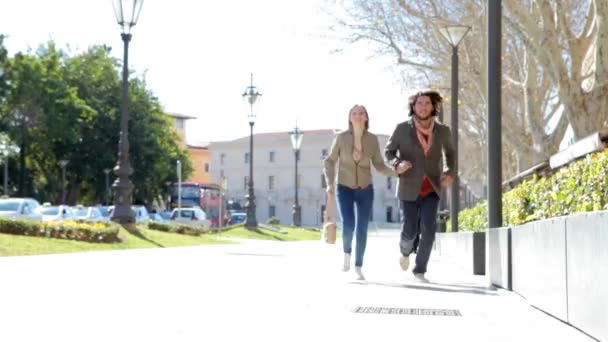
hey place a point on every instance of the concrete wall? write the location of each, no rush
(498, 252)
(561, 267)
(539, 265)
(587, 265)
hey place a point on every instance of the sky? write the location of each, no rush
(197, 57)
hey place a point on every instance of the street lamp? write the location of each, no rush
(454, 35)
(251, 96)
(179, 186)
(7, 150)
(127, 13)
(296, 142)
(107, 173)
(62, 164)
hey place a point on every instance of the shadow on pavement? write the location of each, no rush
(143, 237)
(433, 287)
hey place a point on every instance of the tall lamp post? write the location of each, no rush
(494, 77)
(454, 35)
(127, 13)
(296, 142)
(7, 150)
(107, 173)
(251, 96)
(62, 164)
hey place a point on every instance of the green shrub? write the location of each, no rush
(274, 221)
(175, 228)
(579, 187)
(69, 230)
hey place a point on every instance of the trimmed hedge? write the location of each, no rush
(175, 228)
(68, 230)
(579, 187)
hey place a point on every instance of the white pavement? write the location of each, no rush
(257, 290)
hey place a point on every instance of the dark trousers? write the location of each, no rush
(418, 222)
(347, 200)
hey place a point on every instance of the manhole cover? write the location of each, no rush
(406, 311)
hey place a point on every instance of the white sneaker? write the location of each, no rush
(346, 266)
(359, 272)
(404, 261)
(420, 277)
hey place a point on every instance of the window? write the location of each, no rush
(389, 214)
(323, 153)
(271, 183)
(323, 208)
(246, 182)
(247, 158)
(179, 123)
(389, 183)
(222, 158)
(206, 167)
(272, 211)
(271, 156)
(299, 181)
(323, 183)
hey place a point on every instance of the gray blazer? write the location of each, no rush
(404, 145)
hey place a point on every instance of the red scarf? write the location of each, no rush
(428, 132)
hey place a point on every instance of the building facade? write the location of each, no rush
(199, 155)
(201, 163)
(274, 176)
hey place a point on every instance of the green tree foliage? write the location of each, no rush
(68, 107)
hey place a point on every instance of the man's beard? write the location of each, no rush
(420, 118)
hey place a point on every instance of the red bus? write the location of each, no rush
(205, 196)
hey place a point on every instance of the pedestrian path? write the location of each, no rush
(257, 290)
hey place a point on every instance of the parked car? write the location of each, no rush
(236, 218)
(56, 213)
(92, 214)
(157, 217)
(139, 212)
(23, 208)
(191, 216)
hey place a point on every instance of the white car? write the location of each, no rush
(139, 211)
(195, 217)
(91, 214)
(56, 213)
(23, 208)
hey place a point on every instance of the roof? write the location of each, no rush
(286, 133)
(181, 116)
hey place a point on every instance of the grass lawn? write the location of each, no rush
(145, 238)
(293, 234)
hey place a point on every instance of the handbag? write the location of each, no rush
(329, 220)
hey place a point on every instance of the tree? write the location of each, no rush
(62, 107)
(534, 100)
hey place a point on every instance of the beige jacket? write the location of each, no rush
(351, 174)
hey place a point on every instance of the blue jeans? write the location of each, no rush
(363, 199)
(418, 222)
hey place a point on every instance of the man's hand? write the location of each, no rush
(330, 190)
(403, 166)
(446, 180)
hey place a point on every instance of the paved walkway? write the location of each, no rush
(261, 291)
